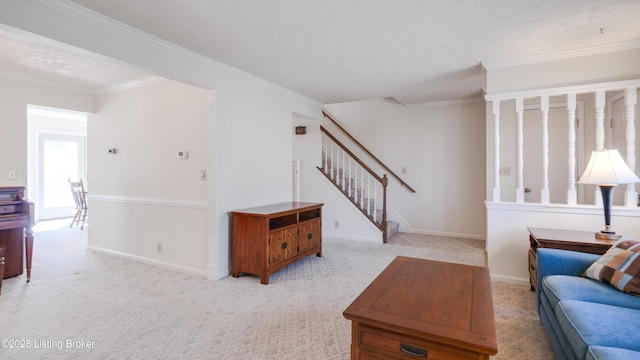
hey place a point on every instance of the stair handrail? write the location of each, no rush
(384, 181)
(402, 182)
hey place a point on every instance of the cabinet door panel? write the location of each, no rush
(276, 254)
(309, 235)
(303, 243)
(291, 240)
(315, 238)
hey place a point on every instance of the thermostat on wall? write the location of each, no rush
(183, 154)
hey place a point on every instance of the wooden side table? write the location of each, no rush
(574, 240)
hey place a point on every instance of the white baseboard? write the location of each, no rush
(510, 279)
(213, 275)
(438, 233)
(153, 262)
(349, 237)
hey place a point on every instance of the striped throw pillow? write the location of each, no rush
(619, 267)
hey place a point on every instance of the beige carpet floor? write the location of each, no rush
(86, 305)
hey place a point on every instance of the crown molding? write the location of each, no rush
(433, 104)
(560, 55)
(72, 9)
(563, 90)
(35, 80)
(46, 111)
(152, 79)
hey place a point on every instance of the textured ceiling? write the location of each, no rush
(26, 56)
(344, 50)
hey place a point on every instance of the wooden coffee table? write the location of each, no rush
(427, 309)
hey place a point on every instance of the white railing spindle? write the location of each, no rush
(519, 150)
(630, 101)
(496, 151)
(571, 144)
(544, 192)
(576, 154)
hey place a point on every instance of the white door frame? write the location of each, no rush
(40, 134)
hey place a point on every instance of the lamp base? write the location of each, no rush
(607, 236)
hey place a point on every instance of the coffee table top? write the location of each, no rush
(448, 302)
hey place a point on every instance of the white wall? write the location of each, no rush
(144, 196)
(15, 95)
(441, 146)
(612, 66)
(508, 237)
(249, 120)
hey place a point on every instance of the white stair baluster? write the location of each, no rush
(369, 194)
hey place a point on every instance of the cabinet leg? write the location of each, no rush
(1, 266)
(264, 279)
(28, 242)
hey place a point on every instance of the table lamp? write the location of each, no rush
(607, 169)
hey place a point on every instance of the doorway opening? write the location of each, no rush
(56, 142)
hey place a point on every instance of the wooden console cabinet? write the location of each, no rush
(574, 240)
(268, 238)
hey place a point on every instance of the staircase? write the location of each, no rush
(362, 186)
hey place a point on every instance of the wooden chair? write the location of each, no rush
(80, 197)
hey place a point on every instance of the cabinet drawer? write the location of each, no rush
(10, 208)
(398, 346)
(533, 271)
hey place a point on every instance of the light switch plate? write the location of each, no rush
(12, 175)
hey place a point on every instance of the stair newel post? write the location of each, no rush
(384, 183)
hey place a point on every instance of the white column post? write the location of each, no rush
(571, 124)
(496, 150)
(519, 150)
(599, 110)
(544, 191)
(630, 101)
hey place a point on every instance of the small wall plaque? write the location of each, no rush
(301, 130)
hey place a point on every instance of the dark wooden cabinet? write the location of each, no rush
(574, 240)
(268, 238)
(16, 236)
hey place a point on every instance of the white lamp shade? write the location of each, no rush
(606, 167)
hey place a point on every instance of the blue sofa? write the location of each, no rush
(584, 318)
